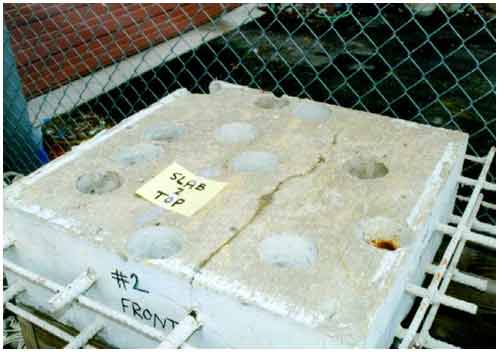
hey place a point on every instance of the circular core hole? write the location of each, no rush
(288, 251)
(135, 154)
(98, 182)
(384, 233)
(390, 245)
(235, 133)
(155, 242)
(365, 169)
(165, 133)
(269, 101)
(312, 112)
(214, 87)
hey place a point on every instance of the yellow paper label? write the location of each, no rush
(179, 190)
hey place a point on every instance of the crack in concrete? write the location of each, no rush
(263, 202)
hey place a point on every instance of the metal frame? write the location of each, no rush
(446, 270)
(23, 313)
(75, 291)
(417, 334)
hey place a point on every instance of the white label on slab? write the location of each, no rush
(179, 190)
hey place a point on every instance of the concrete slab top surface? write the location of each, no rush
(321, 206)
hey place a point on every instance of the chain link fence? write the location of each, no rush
(430, 63)
(72, 70)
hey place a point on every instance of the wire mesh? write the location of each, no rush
(430, 63)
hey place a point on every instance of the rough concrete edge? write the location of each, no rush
(434, 184)
(434, 187)
(235, 290)
(37, 107)
(217, 85)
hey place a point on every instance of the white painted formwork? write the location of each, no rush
(280, 258)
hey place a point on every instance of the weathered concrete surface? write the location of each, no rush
(311, 187)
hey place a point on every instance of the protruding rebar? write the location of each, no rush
(69, 293)
(463, 278)
(443, 299)
(13, 290)
(41, 323)
(181, 333)
(83, 337)
(452, 252)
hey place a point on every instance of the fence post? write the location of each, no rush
(22, 143)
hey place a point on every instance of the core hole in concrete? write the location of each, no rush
(389, 245)
(288, 251)
(139, 153)
(98, 182)
(312, 112)
(164, 133)
(365, 169)
(214, 87)
(269, 101)
(384, 233)
(155, 242)
(151, 214)
(236, 133)
(255, 161)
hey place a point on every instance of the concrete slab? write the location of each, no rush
(325, 217)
